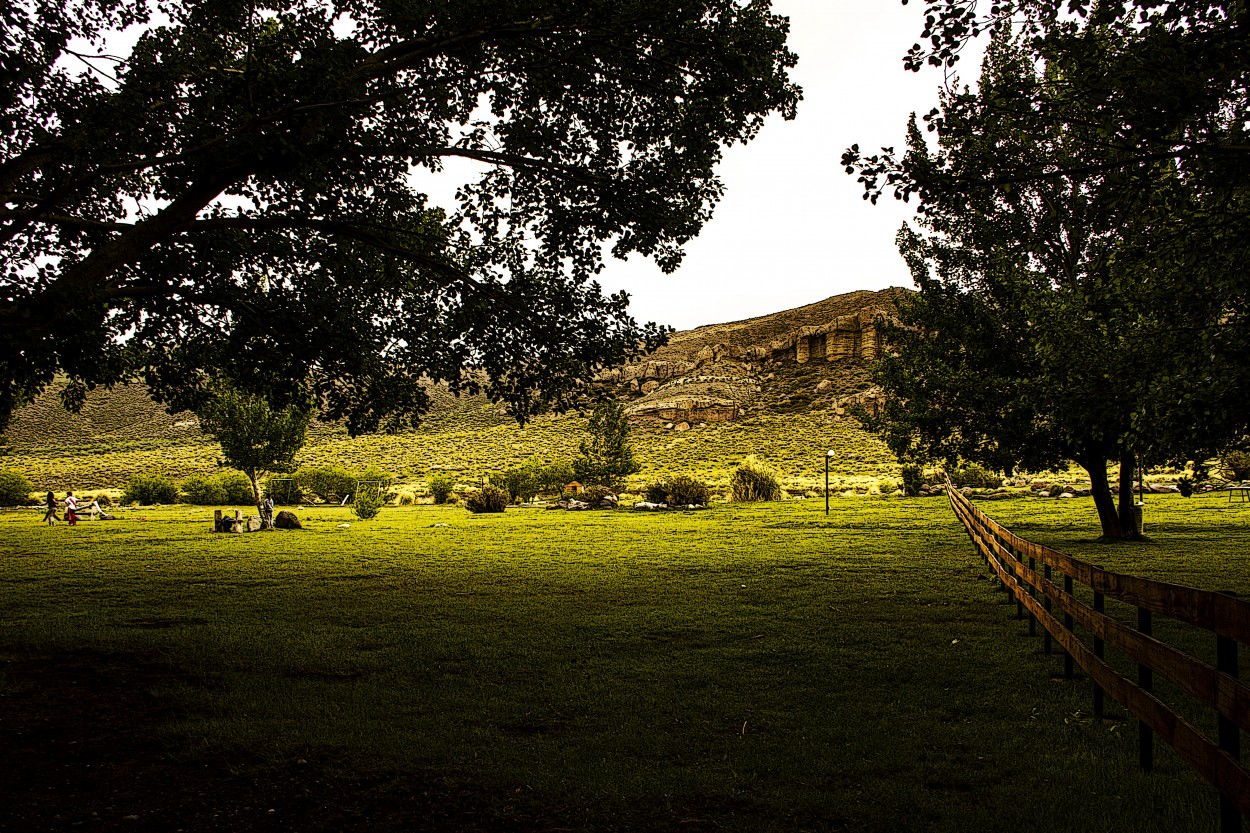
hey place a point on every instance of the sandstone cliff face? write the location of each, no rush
(718, 381)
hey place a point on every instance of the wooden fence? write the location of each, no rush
(1039, 592)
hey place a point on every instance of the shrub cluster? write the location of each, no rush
(976, 477)
(150, 489)
(913, 479)
(753, 481)
(14, 488)
(368, 501)
(228, 488)
(440, 486)
(1236, 465)
(679, 490)
(487, 499)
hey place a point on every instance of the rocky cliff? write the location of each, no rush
(813, 356)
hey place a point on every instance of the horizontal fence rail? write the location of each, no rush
(1048, 592)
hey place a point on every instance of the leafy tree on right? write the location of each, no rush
(1080, 247)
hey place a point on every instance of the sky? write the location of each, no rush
(793, 228)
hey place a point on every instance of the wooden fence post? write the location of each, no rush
(1033, 593)
(1229, 731)
(1098, 649)
(1145, 681)
(1046, 604)
(1067, 624)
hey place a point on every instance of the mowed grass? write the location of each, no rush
(749, 667)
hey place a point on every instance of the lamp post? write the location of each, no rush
(828, 455)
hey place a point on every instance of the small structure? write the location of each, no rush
(574, 488)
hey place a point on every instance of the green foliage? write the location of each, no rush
(753, 481)
(1021, 352)
(553, 477)
(486, 499)
(254, 437)
(607, 455)
(227, 488)
(913, 479)
(440, 485)
(329, 484)
(976, 477)
(285, 283)
(237, 486)
(150, 489)
(594, 495)
(369, 500)
(1236, 465)
(683, 490)
(523, 482)
(203, 491)
(656, 492)
(14, 488)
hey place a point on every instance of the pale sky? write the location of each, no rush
(792, 227)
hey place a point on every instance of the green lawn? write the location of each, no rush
(750, 667)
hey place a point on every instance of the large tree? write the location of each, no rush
(236, 194)
(254, 438)
(1080, 296)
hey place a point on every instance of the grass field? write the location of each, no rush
(750, 667)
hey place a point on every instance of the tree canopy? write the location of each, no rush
(1079, 246)
(235, 196)
(254, 438)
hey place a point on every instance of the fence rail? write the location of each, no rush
(1047, 592)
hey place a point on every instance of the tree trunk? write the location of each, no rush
(251, 474)
(1128, 521)
(1104, 501)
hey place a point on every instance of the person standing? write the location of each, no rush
(50, 517)
(71, 508)
(266, 514)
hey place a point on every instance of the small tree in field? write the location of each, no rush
(607, 456)
(254, 438)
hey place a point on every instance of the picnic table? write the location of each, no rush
(1240, 489)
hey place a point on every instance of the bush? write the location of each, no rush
(327, 483)
(369, 501)
(686, 491)
(149, 489)
(199, 490)
(913, 479)
(1236, 465)
(237, 486)
(595, 494)
(229, 488)
(440, 486)
(1186, 486)
(656, 493)
(753, 481)
(886, 486)
(14, 488)
(976, 477)
(487, 499)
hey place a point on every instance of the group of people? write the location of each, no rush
(71, 510)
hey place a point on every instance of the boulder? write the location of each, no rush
(286, 520)
(253, 523)
(682, 426)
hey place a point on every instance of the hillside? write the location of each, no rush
(776, 386)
